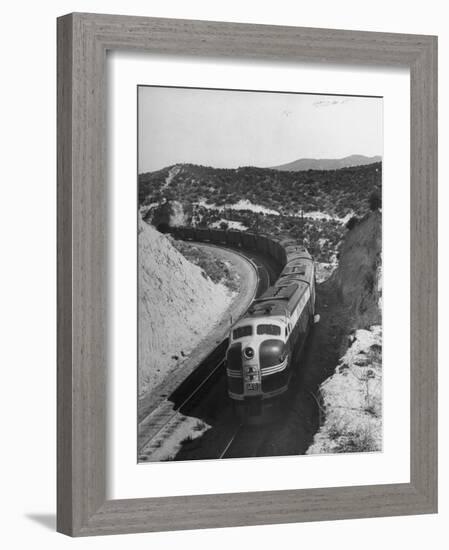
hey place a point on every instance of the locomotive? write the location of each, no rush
(263, 342)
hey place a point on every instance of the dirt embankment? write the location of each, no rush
(358, 276)
(352, 396)
(178, 306)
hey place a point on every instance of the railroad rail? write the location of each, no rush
(161, 421)
(246, 441)
(165, 418)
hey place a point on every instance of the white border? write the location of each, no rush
(126, 479)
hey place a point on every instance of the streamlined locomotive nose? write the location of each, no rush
(271, 352)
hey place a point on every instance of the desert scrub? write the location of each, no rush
(334, 191)
(360, 440)
(348, 430)
(352, 399)
(217, 270)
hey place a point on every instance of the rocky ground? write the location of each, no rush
(351, 399)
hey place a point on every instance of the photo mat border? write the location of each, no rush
(83, 40)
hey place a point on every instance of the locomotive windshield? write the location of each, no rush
(240, 332)
(269, 329)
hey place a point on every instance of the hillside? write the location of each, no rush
(358, 277)
(352, 397)
(336, 192)
(311, 206)
(327, 164)
(178, 306)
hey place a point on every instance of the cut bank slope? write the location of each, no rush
(178, 306)
(352, 396)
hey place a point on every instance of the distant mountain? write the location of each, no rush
(327, 164)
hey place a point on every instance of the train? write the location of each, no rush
(274, 330)
(263, 343)
(234, 239)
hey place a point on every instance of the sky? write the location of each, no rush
(228, 128)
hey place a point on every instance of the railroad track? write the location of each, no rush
(246, 441)
(264, 274)
(161, 422)
(164, 419)
(229, 443)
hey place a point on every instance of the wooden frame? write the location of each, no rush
(83, 40)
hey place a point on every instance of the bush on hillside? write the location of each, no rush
(352, 222)
(375, 200)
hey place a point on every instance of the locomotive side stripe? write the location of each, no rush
(266, 371)
(234, 373)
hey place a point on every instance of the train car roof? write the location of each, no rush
(294, 256)
(288, 241)
(297, 266)
(304, 260)
(301, 269)
(280, 299)
(284, 291)
(289, 278)
(268, 308)
(296, 248)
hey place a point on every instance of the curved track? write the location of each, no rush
(162, 421)
(266, 268)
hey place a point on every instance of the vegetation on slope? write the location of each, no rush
(212, 266)
(311, 207)
(352, 397)
(358, 276)
(337, 192)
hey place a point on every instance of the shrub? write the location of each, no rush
(375, 200)
(351, 223)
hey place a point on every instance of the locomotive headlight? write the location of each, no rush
(248, 353)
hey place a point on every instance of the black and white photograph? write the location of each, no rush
(259, 274)
(220, 294)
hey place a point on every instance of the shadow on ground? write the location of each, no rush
(293, 432)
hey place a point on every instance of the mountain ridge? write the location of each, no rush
(326, 164)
